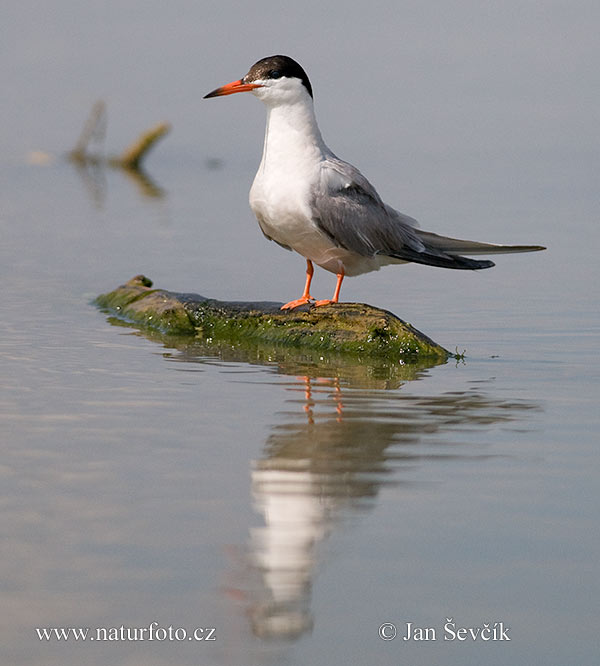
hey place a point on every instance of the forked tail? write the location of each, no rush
(452, 245)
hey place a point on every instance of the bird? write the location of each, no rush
(307, 199)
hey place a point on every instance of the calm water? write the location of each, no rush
(292, 502)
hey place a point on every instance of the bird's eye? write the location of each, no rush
(275, 74)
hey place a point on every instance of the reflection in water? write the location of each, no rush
(348, 432)
(93, 175)
(318, 469)
(346, 435)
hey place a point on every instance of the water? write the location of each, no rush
(292, 502)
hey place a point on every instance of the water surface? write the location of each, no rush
(296, 502)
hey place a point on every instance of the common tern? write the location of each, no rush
(308, 200)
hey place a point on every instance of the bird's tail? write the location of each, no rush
(452, 245)
(444, 252)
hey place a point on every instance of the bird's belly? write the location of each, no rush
(297, 232)
(301, 234)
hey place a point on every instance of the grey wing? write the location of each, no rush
(349, 210)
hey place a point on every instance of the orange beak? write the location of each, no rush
(233, 87)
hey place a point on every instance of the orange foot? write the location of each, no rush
(303, 300)
(326, 301)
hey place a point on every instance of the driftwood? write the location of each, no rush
(94, 131)
(132, 157)
(343, 328)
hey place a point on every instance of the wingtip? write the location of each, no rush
(529, 248)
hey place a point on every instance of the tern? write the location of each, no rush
(307, 199)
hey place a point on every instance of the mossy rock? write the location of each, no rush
(349, 328)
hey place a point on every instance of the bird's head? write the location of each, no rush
(277, 80)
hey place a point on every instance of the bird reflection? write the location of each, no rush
(325, 462)
(310, 403)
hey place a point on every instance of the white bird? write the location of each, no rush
(308, 200)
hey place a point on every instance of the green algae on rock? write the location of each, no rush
(353, 328)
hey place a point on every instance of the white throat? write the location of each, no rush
(293, 141)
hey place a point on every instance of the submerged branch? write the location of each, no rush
(94, 130)
(135, 153)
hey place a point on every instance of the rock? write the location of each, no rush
(348, 328)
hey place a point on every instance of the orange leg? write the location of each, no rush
(306, 297)
(336, 293)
